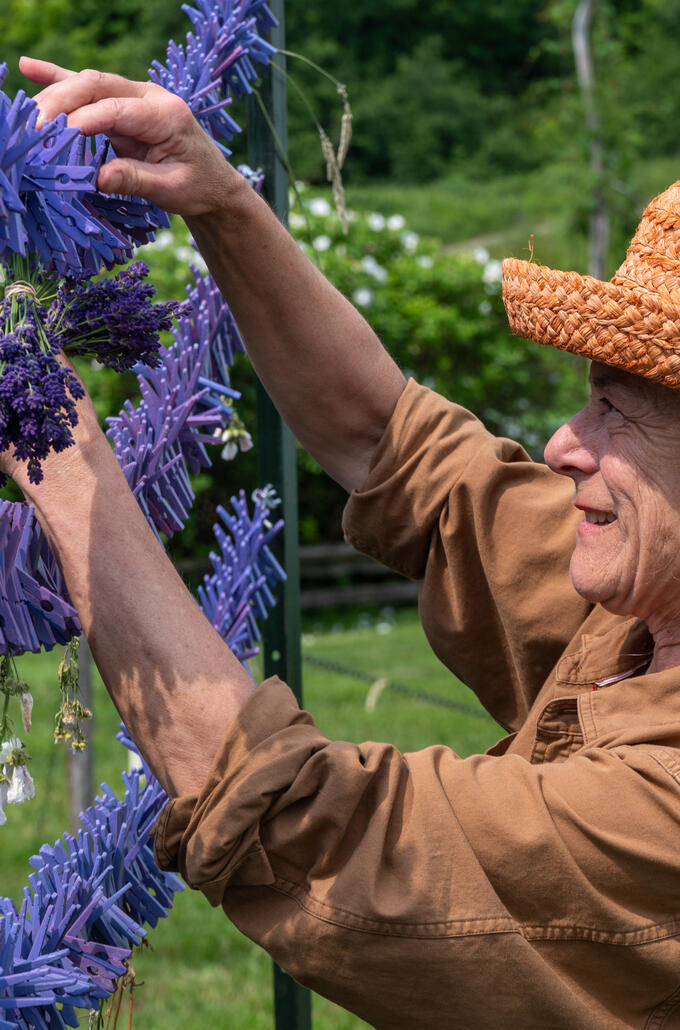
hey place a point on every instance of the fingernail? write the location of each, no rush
(115, 181)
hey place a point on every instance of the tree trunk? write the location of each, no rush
(80, 764)
(599, 218)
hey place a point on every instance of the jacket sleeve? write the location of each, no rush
(406, 886)
(488, 532)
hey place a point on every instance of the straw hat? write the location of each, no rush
(632, 322)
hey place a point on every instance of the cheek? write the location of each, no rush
(655, 523)
(641, 507)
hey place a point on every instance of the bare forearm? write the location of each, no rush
(173, 680)
(328, 374)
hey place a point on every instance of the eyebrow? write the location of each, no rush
(602, 381)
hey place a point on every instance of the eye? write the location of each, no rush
(608, 406)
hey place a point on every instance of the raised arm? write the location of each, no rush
(324, 367)
(175, 683)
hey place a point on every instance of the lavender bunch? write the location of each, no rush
(113, 320)
(238, 591)
(50, 207)
(35, 609)
(37, 394)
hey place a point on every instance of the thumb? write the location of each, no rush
(125, 175)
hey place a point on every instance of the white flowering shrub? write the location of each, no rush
(440, 314)
(438, 311)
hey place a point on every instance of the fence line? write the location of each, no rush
(383, 682)
(335, 576)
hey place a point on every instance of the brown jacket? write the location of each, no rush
(533, 888)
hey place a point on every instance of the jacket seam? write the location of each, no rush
(661, 1012)
(671, 766)
(559, 734)
(587, 718)
(472, 926)
(426, 931)
(617, 938)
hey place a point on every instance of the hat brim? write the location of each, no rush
(628, 327)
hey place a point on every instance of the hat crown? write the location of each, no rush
(653, 257)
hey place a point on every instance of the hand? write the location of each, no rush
(163, 153)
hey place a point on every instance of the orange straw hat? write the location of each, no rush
(632, 322)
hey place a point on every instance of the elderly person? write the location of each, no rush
(536, 886)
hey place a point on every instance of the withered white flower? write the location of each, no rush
(21, 787)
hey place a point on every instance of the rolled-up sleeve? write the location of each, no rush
(488, 532)
(401, 885)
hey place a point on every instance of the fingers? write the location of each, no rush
(68, 91)
(171, 185)
(42, 72)
(163, 155)
(148, 119)
(160, 183)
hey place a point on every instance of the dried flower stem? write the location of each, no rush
(334, 159)
(345, 130)
(67, 727)
(334, 176)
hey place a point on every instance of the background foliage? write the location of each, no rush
(433, 83)
(468, 131)
(468, 126)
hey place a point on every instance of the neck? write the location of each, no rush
(666, 645)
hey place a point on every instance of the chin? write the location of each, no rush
(592, 588)
(590, 593)
(600, 593)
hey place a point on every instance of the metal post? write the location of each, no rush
(276, 460)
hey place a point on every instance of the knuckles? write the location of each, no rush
(112, 107)
(176, 110)
(92, 77)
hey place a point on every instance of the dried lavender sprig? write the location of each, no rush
(37, 393)
(113, 320)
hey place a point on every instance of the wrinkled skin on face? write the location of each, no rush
(622, 452)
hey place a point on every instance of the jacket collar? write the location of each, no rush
(608, 647)
(618, 702)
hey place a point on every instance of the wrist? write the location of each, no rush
(229, 209)
(66, 475)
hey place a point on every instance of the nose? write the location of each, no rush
(570, 451)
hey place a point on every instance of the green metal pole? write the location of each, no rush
(276, 459)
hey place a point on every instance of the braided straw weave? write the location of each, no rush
(632, 322)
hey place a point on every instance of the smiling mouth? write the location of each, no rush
(600, 518)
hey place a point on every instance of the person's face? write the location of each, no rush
(623, 453)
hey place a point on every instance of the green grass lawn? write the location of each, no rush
(199, 971)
